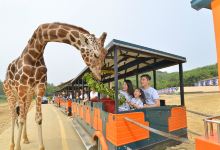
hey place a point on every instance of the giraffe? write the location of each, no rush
(27, 75)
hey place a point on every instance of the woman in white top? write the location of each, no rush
(127, 91)
(138, 100)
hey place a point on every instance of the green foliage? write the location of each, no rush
(190, 77)
(50, 89)
(1, 88)
(101, 88)
(165, 80)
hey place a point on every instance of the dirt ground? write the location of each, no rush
(208, 103)
(58, 132)
(4, 117)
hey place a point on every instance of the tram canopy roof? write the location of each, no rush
(132, 59)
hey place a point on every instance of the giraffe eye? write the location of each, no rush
(96, 56)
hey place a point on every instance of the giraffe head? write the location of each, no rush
(93, 52)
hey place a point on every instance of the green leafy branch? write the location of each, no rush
(101, 88)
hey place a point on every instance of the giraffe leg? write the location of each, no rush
(38, 117)
(28, 103)
(21, 122)
(25, 138)
(12, 135)
(11, 103)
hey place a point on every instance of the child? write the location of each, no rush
(138, 100)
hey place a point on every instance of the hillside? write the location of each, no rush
(165, 79)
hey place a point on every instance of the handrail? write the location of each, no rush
(162, 133)
(210, 121)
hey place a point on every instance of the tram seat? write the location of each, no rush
(94, 100)
(106, 99)
(162, 102)
(109, 105)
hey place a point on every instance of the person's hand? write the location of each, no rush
(132, 104)
(145, 105)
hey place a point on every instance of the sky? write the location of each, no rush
(167, 25)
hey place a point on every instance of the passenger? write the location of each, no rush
(138, 100)
(127, 91)
(69, 107)
(93, 95)
(85, 95)
(152, 97)
(77, 96)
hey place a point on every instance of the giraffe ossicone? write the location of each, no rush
(27, 75)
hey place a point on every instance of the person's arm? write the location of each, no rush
(157, 104)
(138, 105)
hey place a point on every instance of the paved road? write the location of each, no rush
(58, 134)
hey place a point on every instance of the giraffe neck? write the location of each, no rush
(55, 32)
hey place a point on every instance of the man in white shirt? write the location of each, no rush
(93, 94)
(152, 97)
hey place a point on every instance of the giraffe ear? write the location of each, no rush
(102, 38)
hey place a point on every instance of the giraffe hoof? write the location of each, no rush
(18, 148)
(26, 141)
(42, 148)
(12, 146)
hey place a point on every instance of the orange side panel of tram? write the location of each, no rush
(88, 113)
(97, 121)
(177, 120)
(202, 143)
(81, 111)
(74, 108)
(77, 109)
(216, 17)
(120, 132)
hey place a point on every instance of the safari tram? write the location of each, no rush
(101, 125)
(100, 119)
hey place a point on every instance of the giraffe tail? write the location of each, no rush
(18, 112)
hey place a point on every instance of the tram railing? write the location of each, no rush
(162, 133)
(209, 121)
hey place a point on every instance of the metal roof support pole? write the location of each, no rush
(116, 78)
(137, 80)
(99, 96)
(125, 72)
(181, 84)
(155, 78)
(79, 88)
(89, 93)
(67, 91)
(155, 75)
(83, 89)
(73, 91)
